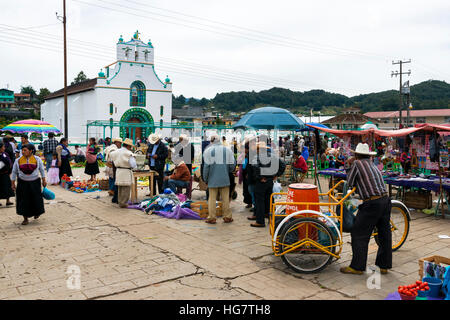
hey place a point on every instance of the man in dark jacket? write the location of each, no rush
(157, 154)
(265, 167)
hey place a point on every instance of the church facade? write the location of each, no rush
(128, 91)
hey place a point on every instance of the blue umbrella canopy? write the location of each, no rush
(270, 118)
(316, 124)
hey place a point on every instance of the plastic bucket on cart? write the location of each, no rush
(435, 285)
(303, 192)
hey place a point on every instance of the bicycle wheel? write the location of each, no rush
(306, 258)
(399, 226)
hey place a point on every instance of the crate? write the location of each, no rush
(418, 200)
(201, 207)
(434, 260)
(103, 184)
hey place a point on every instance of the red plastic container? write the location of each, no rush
(404, 297)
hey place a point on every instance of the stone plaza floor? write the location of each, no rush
(127, 254)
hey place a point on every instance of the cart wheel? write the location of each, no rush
(306, 258)
(399, 226)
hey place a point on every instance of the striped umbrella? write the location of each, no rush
(30, 126)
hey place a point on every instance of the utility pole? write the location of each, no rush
(64, 20)
(396, 73)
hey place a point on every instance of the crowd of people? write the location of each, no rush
(257, 162)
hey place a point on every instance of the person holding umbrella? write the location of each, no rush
(29, 172)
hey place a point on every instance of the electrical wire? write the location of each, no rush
(170, 61)
(303, 48)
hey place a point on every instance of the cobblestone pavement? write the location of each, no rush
(126, 254)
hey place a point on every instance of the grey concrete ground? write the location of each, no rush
(126, 254)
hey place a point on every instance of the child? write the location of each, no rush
(53, 172)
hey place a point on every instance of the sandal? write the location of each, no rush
(9, 203)
(210, 221)
(24, 222)
(257, 225)
(251, 218)
(228, 220)
(36, 217)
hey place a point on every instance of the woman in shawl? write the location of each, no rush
(5, 170)
(91, 160)
(63, 158)
(26, 170)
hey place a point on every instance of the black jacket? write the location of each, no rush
(256, 169)
(161, 153)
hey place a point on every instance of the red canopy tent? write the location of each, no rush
(435, 129)
(387, 133)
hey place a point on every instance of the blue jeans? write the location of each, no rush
(251, 190)
(48, 160)
(111, 183)
(173, 184)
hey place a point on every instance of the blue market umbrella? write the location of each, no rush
(270, 118)
(316, 124)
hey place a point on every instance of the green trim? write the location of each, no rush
(108, 81)
(146, 124)
(154, 90)
(153, 68)
(141, 93)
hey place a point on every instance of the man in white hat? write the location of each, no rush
(375, 211)
(109, 170)
(157, 153)
(185, 150)
(124, 161)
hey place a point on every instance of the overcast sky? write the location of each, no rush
(210, 46)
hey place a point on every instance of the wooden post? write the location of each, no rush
(439, 172)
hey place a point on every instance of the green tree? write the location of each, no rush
(30, 90)
(79, 78)
(43, 92)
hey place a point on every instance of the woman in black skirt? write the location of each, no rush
(26, 170)
(64, 155)
(91, 160)
(6, 191)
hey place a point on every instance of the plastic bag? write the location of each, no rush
(276, 187)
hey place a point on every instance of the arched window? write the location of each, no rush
(137, 94)
(161, 110)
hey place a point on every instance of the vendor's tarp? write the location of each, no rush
(179, 213)
(387, 133)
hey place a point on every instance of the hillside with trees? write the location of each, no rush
(431, 94)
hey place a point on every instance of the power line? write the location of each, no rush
(233, 34)
(249, 76)
(277, 36)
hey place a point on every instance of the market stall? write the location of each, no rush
(413, 159)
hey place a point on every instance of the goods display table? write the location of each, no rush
(139, 174)
(430, 183)
(396, 296)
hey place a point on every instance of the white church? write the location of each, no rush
(129, 91)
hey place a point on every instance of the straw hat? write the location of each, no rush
(262, 144)
(117, 140)
(128, 142)
(363, 148)
(153, 138)
(184, 137)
